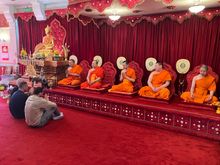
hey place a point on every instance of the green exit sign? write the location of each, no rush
(27, 9)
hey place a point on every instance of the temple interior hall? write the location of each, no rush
(109, 82)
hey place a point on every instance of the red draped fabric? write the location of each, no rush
(195, 39)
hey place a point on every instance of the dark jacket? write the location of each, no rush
(17, 104)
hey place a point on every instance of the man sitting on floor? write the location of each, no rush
(73, 73)
(94, 77)
(39, 110)
(158, 82)
(127, 77)
(18, 99)
(202, 84)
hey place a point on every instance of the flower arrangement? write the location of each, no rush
(23, 53)
(57, 56)
(56, 53)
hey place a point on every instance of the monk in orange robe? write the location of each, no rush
(158, 82)
(202, 89)
(73, 74)
(127, 77)
(94, 77)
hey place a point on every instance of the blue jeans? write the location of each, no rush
(48, 115)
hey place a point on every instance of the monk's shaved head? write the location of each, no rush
(125, 64)
(158, 66)
(95, 63)
(72, 62)
(205, 67)
(160, 63)
(203, 70)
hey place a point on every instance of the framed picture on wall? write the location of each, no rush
(4, 52)
(4, 49)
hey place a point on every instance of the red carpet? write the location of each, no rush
(84, 138)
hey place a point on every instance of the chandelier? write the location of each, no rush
(114, 17)
(197, 7)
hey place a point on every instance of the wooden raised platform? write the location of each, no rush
(175, 116)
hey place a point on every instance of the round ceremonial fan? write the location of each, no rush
(182, 66)
(120, 61)
(73, 57)
(150, 63)
(99, 59)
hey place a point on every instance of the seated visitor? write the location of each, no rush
(18, 99)
(73, 74)
(202, 89)
(39, 110)
(127, 77)
(12, 90)
(46, 47)
(158, 82)
(94, 77)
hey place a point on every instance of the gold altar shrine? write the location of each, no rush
(46, 60)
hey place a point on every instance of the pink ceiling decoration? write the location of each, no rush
(130, 3)
(75, 9)
(3, 21)
(60, 12)
(101, 5)
(167, 1)
(77, 1)
(208, 14)
(24, 16)
(180, 17)
(86, 20)
(83, 19)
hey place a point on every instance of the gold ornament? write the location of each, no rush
(66, 51)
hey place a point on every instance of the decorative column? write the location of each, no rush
(13, 47)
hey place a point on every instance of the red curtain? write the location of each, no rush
(196, 39)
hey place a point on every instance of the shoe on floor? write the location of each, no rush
(58, 117)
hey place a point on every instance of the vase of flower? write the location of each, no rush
(23, 54)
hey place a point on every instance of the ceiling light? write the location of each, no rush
(114, 17)
(196, 9)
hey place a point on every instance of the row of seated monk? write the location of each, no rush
(202, 89)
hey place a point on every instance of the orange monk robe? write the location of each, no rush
(98, 72)
(157, 80)
(202, 87)
(126, 85)
(72, 80)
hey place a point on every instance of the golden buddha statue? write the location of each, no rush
(45, 49)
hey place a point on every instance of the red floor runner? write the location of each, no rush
(83, 138)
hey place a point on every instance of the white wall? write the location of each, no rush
(8, 38)
(4, 34)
